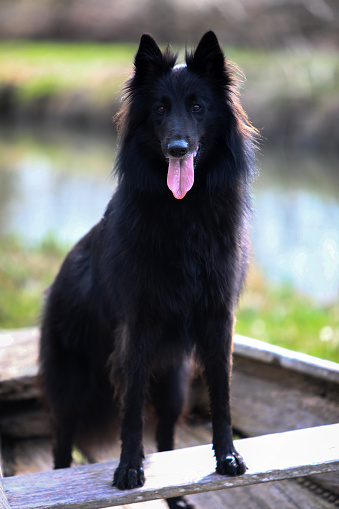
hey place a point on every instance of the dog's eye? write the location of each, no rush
(161, 109)
(196, 107)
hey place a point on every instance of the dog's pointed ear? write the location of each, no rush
(208, 59)
(148, 55)
(149, 59)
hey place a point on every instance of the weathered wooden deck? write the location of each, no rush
(273, 390)
(181, 472)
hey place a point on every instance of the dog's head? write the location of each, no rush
(182, 115)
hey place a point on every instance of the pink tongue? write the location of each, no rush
(180, 176)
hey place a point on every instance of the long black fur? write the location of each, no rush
(157, 278)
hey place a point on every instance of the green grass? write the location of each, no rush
(282, 316)
(275, 314)
(25, 272)
(38, 69)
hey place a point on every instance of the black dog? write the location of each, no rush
(159, 276)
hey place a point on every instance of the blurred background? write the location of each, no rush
(62, 65)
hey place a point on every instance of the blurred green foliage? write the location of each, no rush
(40, 68)
(279, 314)
(25, 272)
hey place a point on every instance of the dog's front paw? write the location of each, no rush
(232, 464)
(127, 477)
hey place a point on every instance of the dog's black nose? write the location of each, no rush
(177, 148)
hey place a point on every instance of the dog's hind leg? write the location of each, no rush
(63, 441)
(168, 397)
(168, 394)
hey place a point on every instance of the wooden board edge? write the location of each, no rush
(4, 504)
(186, 471)
(294, 361)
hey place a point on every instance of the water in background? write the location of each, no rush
(60, 185)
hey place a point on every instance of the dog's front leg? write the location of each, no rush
(217, 360)
(130, 473)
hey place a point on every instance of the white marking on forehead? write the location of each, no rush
(179, 66)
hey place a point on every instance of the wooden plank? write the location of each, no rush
(19, 364)
(267, 398)
(27, 422)
(286, 494)
(3, 499)
(185, 471)
(294, 361)
(35, 456)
